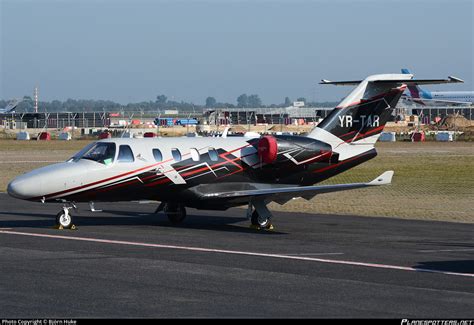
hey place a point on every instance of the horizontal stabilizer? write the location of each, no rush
(340, 83)
(407, 81)
(422, 81)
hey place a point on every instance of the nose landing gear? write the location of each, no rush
(64, 219)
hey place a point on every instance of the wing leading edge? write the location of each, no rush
(286, 193)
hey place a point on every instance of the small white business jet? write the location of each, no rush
(218, 173)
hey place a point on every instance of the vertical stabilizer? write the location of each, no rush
(354, 126)
(356, 123)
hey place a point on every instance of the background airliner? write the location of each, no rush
(440, 98)
(10, 108)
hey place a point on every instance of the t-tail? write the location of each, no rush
(354, 126)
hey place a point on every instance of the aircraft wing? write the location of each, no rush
(283, 194)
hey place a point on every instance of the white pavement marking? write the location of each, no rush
(314, 254)
(29, 161)
(244, 253)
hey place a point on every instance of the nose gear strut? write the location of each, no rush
(64, 219)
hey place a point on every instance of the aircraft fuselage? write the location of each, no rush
(182, 169)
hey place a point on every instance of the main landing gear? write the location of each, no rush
(175, 212)
(259, 215)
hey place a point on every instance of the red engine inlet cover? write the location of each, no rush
(267, 149)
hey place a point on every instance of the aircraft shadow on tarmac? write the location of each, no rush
(201, 222)
(462, 266)
(127, 218)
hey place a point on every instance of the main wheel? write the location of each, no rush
(254, 218)
(262, 222)
(176, 213)
(64, 219)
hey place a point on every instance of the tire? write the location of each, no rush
(175, 213)
(254, 218)
(63, 220)
(257, 221)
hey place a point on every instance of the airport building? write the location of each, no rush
(55, 120)
(430, 115)
(244, 116)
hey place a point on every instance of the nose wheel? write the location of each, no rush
(64, 219)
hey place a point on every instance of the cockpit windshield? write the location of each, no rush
(79, 154)
(101, 152)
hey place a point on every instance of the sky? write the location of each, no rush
(132, 51)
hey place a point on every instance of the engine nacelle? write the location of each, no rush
(267, 149)
(290, 149)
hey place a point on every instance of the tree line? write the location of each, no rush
(160, 103)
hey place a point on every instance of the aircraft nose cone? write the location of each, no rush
(24, 187)
(13, 189)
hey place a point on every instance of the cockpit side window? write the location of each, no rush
(125, 154)
(101, 152)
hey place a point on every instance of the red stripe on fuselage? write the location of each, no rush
(99, 182)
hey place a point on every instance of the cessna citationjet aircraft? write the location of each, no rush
(218, 173)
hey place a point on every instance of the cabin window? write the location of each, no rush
(157, 155)
(195, 154)
(213, 155)
(125, 154)
(176, 154)
(101, 152)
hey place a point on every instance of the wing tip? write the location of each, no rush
(455, 79)
(384, 179)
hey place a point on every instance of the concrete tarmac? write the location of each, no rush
(128, 262)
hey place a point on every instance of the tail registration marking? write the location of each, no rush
(370, 121)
